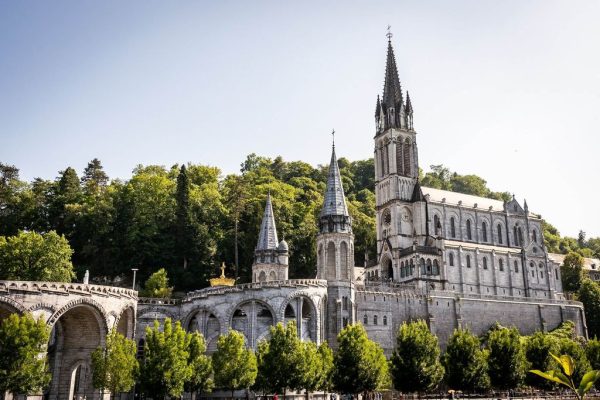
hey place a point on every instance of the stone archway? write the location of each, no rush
(253, 318)
(301, 309)
(77, 332)
(125, 323)
(206, 323)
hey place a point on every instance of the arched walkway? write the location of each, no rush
(253, 318)
(207, 324)
(75, 335)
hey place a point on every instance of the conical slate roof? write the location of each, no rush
(335, 201)
(267, 238)
(392, 91)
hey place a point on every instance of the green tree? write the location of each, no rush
(589, 295)
(507, 362)
(415, 363)
(538, 348)
(35, 257)
(465, 362)
(94, 178)
(166, 367)
(201, 364)
(360, 365)
(234, 365)
(23, 364)
(115, 366)
(327, 367)
(592, 352)
(572, 272)
(282, 366)
(184, 237)
(158, 285)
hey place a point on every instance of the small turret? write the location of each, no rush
(270, 256)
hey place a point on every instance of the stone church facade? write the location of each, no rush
(451, 259)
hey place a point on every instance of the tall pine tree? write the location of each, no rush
(184, 239)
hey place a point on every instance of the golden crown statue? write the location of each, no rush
(222, 280)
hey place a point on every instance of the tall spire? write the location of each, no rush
(335, 201)
(267, 238)
(392, 91)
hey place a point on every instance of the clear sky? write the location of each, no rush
(508, 90)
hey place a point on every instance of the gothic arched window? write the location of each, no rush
(535, 236)
(485, 263)
(365, 320)
(407, 157)
(501, 264)
(437, 227)
(452, 227)
(436, 267)
(516, 236)
(451, 259)
(385, 319)
(399, 165)
(499, 233)
(429, 266)
(375, 320)
(484, 231)
(469, 235)
(521, 237)
(468, 261)
(422, 263)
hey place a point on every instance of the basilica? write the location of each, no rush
(451, 259)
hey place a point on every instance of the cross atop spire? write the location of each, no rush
(333, 138)
(389, 33)
(267, 238)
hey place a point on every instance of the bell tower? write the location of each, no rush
(335, 254)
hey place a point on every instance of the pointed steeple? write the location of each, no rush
(408, 106)
(335, 201)
(378, 107)
(267, 238)
(392, 91)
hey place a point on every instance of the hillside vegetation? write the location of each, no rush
(188, 218)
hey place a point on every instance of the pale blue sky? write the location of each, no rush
(508, 90)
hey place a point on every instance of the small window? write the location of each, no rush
(484, 231)
(516, 266)
(542, 274)
(468, 261)
(499, 227)
(556, 273)
(375, 320)
(452, 227)
(469, 236)
(385, 319)
(485, 263)
(535, 236)
(533, 274)
(501, 264)
(451, 259)
(365, 320)
(436, 267)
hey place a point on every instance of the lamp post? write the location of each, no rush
(135, 270)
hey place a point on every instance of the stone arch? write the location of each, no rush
(272, 276)
(79, 328)
(262, 276)
(77, 302)
(259, 312)
(205, 321)
(125, 322)
(9, 306)
(307, 318)
(331, 261)
(387, 269)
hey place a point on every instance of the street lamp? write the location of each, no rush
(134, 273)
